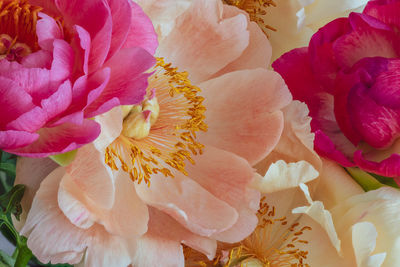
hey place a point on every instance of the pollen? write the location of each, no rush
(256, 9)
(161, 134)
(274, 243)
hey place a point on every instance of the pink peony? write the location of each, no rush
(64, 62)
(206, 137)
(349, 78)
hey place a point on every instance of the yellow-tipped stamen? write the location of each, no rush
(178, 113)
(272, 244)
(256, 9)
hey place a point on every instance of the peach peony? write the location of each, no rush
(179, 164)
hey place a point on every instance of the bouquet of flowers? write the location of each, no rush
(200, 133)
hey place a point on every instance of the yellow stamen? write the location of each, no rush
(272, 244)
(256, 9)
(171, 140)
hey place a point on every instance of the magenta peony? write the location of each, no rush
(349, 78)
(63, 62)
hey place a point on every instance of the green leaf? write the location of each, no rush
(386, 180)
(11, 201)
(8, 168)
(6, 260)
(65, 158)
(364, 179)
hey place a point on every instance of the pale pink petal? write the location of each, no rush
(227, 177)
(51, 237)
(30, 172)
(162, 242)
(111, 127)
(243, 112)
(105, 250)
(141, 31)
(92, 177)
(129, 215)
(207, 42)
(256, 55)
(60, 139)
(188, 203)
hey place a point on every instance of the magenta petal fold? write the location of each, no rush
(349, 78)
(84, 58)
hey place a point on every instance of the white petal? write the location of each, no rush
(317, 211)
(281, 175)
(364, 240)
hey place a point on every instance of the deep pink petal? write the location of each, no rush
(326, 148)
(127, 82)
(81, 43)
(322, 57)
(141, 32)
(386, 11)
(121, 13)
(95, 17)
(14, 101)
(369, 38)
(378, 125)
(63, 61)
(38, 59)
(14, 139)
(389, 167)
(60, 139)
(47, 31)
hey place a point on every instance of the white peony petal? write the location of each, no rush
(317, 211)
(282, 175)
(364, 240)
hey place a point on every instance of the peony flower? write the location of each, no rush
(347, 78)
(291, 23)
(64, 62)
(342, 226)
(179, 162)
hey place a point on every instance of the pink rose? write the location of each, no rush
(349, 77)
(64, 62)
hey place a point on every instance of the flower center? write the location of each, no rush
(138, 119)
(159, 135)
(256, 9)
(17, 29)
(273, 243)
